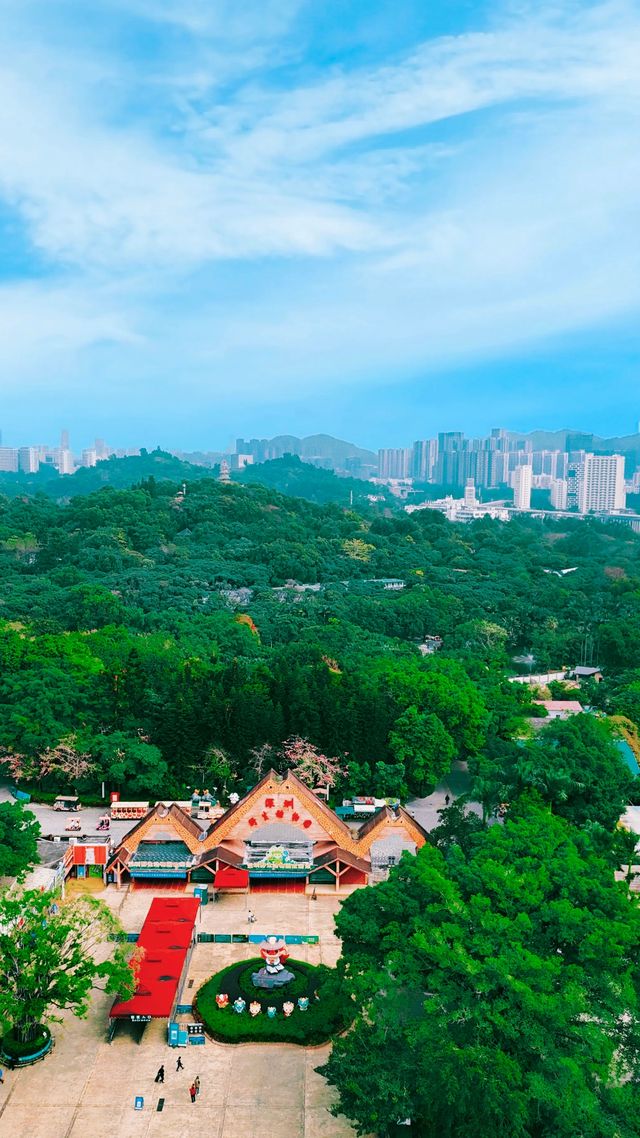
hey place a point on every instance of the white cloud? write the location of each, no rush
(518, 225)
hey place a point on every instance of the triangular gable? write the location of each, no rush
(174, 818)
(282, 799)
(386, 819)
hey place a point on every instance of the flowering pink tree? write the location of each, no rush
(67, 759)
(19, 766)
(309, 764)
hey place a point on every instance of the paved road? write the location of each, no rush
(54, 821)
(425, 810)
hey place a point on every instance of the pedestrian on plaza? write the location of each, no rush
(193, 1092)
(196, 1083)
(179, 1064)
(447, 800)
(160, 1076)
(251, 917)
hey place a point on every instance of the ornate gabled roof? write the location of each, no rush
(387, 816)
(184, 827)
(288, 783)
(345, 856)
(220, 853)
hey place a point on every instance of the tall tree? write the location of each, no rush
(420, 741)
(575, 766)
(51, 958)
(497, 993)
(19, 832)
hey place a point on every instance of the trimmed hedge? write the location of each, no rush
(327, 1015)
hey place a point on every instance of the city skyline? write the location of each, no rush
(340, 217)
(54, 436)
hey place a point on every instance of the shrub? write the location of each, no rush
(326, 1016)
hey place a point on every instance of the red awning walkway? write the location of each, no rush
(166, 940)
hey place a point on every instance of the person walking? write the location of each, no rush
(160, 1076)
(179, 1064)
(251, 917)
(193, 1092)
(196, 1083)
(447, 800)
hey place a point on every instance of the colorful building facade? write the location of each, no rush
(280, 837)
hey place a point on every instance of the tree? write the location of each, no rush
(497, 992)
(132, 762)
(216, 770)
(309, 764)
(65, 757)
(573, 765)
(420, 741)
(50, 959)
(19, 832)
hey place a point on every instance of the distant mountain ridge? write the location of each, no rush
(321, 447)
(557, 440)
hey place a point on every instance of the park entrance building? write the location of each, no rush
(281, 837)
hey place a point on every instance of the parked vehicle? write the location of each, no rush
(126, 810)
(67, 802)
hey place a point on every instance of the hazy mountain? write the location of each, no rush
(581, 440)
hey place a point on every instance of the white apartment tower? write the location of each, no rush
(522, 480)
(601, 485)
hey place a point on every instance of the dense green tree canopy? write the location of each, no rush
(497, 991)
(231, 616)
(19, 832)
(573, 764)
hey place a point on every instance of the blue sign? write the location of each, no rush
(139, 1103)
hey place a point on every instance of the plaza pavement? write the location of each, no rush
(86, 1087)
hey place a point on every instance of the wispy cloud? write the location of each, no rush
(226, 198)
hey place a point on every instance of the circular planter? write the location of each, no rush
(326, 1016)
(25, 1057)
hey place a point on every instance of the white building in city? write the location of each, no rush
(601, 483)
(522, 482)
(29, 459)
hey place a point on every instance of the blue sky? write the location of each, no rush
(374, 219)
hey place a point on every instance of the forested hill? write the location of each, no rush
(120, 473)
(288, 475)
(144, 627)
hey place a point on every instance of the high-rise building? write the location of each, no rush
(470, 499)
(63, 461)
(558, 490)
(425, 453)
(29, 459)
(602, 483)
(394, 462)
(64, 439)
(9, 459)
(522, 481)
